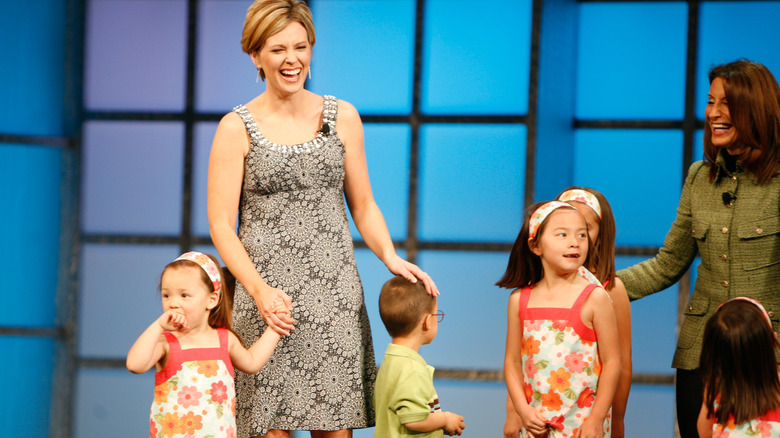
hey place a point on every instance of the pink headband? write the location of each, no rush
(750, 300)
(583, 196)
(541, 214)
(207, 264)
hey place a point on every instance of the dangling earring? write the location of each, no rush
(257, 81)
(310, 72)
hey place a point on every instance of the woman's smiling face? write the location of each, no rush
(285, 58)
(717, 114)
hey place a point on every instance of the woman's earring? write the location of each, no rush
(309, 72)
(257, 81)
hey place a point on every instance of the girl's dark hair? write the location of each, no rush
(220, 315)
(601, 261)
(754, 107)
(738, 364)
(525, 267)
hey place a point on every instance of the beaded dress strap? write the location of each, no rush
(249, 123)
(330, 107)
(329, 112)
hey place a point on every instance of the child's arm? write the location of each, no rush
(150, 347)
(250, 361)
(623, 318)
(452, 423)
(599, 309)
(704, 423)
(513, 423)
(513, 369)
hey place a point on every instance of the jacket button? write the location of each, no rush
(771, 314)
(724, 230)
(690, 308)
(724, 257)
(733, 178)
(726, 283)
(759, 230)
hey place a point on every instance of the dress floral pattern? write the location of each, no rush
(561, 365)
(768, 425)
(194, 395)
(293, 223)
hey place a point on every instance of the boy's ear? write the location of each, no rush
(532, 245)
(425, 325)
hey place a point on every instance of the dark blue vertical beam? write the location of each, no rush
(556, 87)
(63, 400)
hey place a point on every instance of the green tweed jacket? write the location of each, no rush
(739, 246)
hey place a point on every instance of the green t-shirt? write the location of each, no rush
(404, 393)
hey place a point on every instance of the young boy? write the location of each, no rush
(404, 397)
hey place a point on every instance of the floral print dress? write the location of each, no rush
(768, 425)
(194, 395)
(561, 365)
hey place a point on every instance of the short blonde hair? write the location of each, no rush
(266, 18)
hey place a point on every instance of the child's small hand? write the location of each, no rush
(534, 421)
(590, 429)
(453, 424)
(172, 321)
(280, 307)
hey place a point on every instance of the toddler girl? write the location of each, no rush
(194, 352)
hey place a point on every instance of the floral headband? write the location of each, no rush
(750, 300)
(541, 214)
(583, 196)
(207, 264)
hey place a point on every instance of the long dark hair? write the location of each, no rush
(738, 364)
(754, 106)
(601, 260)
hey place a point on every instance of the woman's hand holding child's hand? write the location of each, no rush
(266, 300)
(280, 307)
(172, 321)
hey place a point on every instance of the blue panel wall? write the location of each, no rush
(31, 74)
(31, 218)
(27, 366)
(471, 182)
(133, 177)
(471, 65)
(31, 104)
(620, 48)
(369, 62)
(135, 55)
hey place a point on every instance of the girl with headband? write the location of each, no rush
(562, 360)
(739, 372)
(194, 352)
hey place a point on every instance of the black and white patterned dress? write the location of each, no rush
(293, 223)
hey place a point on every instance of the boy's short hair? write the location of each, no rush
(403, 304)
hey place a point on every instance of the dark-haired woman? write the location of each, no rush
(729, 215)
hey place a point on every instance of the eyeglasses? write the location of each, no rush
(439, 315)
